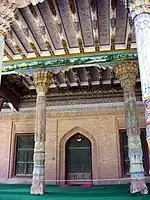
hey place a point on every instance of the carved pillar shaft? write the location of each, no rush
(127, 73)
(147, 118)
(140, 12)
(42, 80)
(2, 44)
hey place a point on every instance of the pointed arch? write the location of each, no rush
(62, 143)
(75, 130)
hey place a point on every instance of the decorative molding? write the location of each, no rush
(62, 63)
(80, 97)
(59, 110)
(7, 10)
(73, 101)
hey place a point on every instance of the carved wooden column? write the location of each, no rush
(42, 80)
(140, 13)
(127, 73)
(2, 44)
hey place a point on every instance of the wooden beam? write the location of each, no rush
(100, 75)
(88, 73)
(76, 76)
(8, 52)
(59, 25)
(19, 47)
(113, 6)
(56, 81)
(76, 24)
(42, 28)
(94, 24)
(67, 79)
(28, 34)
(112, 77)
(129, 30)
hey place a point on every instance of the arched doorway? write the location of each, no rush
(78, 162)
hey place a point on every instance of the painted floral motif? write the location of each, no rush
(142, 27)
(127, 76)
(54, 64)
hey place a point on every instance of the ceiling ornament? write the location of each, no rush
(94, 24)
(136, 7)
(59, 27)
(24, 3)
(113, 14)
(72, 6)
(76, 24)
(7, 10)
(42, 29)
(7, 16)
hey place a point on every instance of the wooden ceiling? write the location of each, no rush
(59, 27)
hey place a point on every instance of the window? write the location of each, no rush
(124, 152)
(24, 155)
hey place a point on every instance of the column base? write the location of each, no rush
(38, 187)
(138, 186)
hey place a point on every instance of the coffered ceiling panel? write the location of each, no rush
(63, 27)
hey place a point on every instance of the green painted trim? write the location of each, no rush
(77, 55)
(54, 64)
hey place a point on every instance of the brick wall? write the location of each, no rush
(100, 126)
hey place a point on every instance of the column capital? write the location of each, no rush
(137, 7)
(127, 73)
(7, 10)
(42, 80)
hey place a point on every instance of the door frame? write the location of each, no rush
(90, 164)
(61, 156)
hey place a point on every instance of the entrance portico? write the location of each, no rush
(79, 49)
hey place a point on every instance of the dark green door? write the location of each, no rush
(78, 159)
